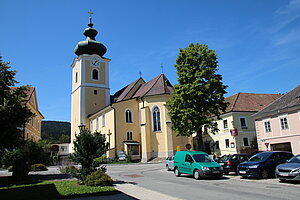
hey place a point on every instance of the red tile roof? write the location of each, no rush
(28, 92)
(249, 102)
(289, 102)
(156, 86)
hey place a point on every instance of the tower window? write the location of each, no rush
(95, 74)
(128, 116)
(95, 92)
(156, 119)
(129, 135)
(76, 77)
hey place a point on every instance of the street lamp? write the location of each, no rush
(81, 127)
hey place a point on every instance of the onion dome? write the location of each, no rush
(90, 45)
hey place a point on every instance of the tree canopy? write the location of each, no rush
(13, 111)
(198, 98)
(87, 147)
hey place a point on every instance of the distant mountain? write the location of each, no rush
(54, 130)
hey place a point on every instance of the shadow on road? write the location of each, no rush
(124, 182)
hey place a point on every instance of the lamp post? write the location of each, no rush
(81, 127)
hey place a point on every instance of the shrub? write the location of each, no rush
(10, 168)
(100, 160)
(72, 170)
(98, 178)
(38, 167)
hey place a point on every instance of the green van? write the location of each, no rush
(196, 163)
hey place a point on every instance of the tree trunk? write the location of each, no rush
(199, 140)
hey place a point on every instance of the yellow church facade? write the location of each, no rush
(134, 120)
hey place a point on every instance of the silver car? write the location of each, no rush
(170, 163)
(290, 170)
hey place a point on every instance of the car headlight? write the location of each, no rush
(253, 166)
(297, 170)
(205, 168)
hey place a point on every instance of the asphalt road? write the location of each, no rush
(153, 181)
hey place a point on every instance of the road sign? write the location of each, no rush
(188, 146)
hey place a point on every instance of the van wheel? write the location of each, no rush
(196, 174)
(177, 173)
(264, 174)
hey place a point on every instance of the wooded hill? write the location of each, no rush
(56, 131)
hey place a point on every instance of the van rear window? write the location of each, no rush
(202, 158)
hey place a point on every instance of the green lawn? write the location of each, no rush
(52, 190)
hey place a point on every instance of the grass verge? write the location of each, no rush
(53, 190)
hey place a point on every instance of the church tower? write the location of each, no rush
(90, 83)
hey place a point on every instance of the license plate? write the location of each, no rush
(283, 174)
(242, 172)
(216, 172)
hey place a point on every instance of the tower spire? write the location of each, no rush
(91, 24)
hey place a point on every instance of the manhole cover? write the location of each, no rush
(134, 175)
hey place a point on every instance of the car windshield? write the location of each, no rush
(202, 158)
(224, 158)
(295, 159)
(259, 157)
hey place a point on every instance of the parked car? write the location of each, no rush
(230, 162)
(196, 163)
(290, 170)
(170, 163)
(121, 155)
(262, 165)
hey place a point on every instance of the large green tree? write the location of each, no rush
(13, 111)
(87, 147)
(198, 98)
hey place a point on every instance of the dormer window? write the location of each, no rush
(95, 74)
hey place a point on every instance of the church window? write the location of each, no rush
(128, 116)
(95, 74)
(97, 124)
(91, 126)
(103, 120)
(129, 135)
(156, 119)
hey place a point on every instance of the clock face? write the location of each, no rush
(95, 62)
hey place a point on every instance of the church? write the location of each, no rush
(134, 119)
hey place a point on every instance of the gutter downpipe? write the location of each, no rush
(115, 127)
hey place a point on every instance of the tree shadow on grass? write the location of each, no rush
(47, 191)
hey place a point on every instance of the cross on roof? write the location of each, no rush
(90, 24)
(90, 12)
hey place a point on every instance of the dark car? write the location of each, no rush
(230, 162)
(290, 170)
(262, 165)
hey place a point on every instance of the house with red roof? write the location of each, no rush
(32, 130)
(278, 125)
(237, 133)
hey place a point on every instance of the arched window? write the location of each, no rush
(156, 119)
(128, 116)
(95, 74)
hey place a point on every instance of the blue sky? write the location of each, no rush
(257, 42)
